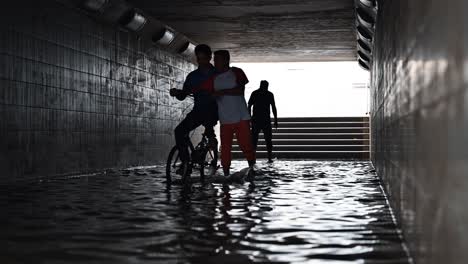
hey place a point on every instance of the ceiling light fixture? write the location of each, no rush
(95, 5)
(364, 47)
(368, 3)
(364, 65)
(363, 56)
(187, 49)
(364, 18)
(364, 34)
(165, 37)
(133, 20)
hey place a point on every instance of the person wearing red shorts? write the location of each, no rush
(228, 85)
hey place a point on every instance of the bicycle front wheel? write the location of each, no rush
(209, 166)
(175, 169)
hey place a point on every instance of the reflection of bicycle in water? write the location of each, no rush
(202, 157)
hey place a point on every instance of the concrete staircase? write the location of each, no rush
(317, 138)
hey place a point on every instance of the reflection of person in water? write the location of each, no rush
(261, 100)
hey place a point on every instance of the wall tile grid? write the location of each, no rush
(78, 96)
(419, 123)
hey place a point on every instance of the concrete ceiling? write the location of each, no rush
(264, 30)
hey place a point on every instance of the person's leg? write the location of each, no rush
(227, 132)
(255, 132)
(211, 120)
(245, 141)
(212, 144)
(267, 132)
(210, 115)
(182, 131)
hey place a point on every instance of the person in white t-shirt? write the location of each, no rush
(228, 85)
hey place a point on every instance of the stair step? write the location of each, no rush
(312, 148)
(319, 136)
(323, 119)
(309, 155)
(284, 124)
(321, 130)
(279, 142)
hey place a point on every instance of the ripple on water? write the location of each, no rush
(294, 212)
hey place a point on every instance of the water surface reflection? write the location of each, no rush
(294, 212)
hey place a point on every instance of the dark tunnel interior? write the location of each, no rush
(87, 123)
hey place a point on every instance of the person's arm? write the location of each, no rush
(207, 86)
(238, 90)
(273, 107)
(251, 102)
(181, 94)
(241, 80)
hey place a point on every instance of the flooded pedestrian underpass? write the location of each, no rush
(293, 212)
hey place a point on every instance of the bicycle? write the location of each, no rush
(202, 157)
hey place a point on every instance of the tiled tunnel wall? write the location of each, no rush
(419, 123)
(77, 95)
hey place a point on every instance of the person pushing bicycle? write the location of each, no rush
(205, 109)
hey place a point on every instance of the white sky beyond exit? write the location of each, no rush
(309, 89)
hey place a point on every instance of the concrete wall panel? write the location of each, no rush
(419, 123)
(78, 96)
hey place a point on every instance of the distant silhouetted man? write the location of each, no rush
(261, 100)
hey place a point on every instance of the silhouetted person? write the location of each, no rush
(205, 109)
(261, 100)
(228, 87)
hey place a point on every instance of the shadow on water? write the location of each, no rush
(293, 212)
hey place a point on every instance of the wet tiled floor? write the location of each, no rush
(293, 212)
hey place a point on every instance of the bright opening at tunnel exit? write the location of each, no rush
(305, 89)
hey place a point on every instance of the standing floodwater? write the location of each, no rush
(297, 211)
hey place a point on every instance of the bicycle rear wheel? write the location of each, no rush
(209, 164)
(175, 169)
